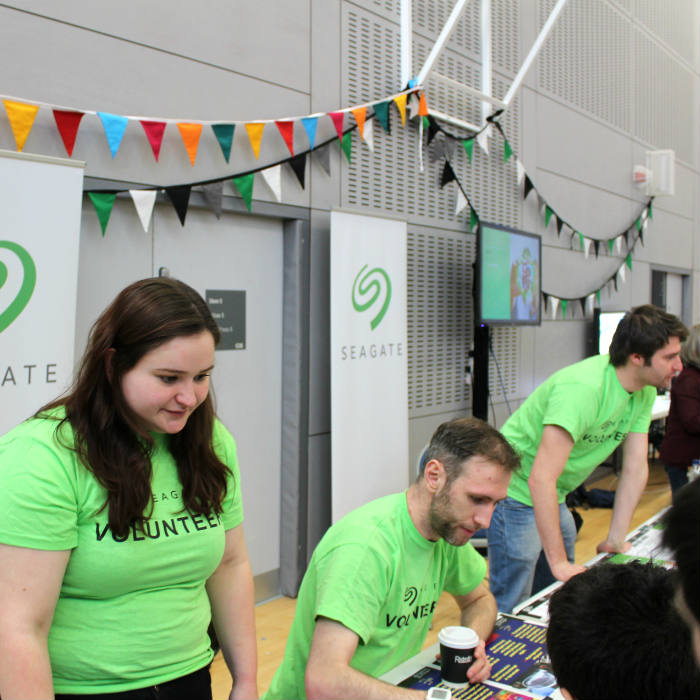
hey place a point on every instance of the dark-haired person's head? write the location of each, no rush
(682, 536)
(644, 331)
(458, 440)
(614, 632)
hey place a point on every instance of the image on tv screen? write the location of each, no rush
(509, 274)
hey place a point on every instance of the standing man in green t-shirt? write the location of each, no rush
(367, 599)
(569, 425)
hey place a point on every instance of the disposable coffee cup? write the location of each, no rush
(457, 645)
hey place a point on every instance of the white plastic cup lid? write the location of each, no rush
(457, 637)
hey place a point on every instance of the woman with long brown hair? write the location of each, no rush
(120, 526)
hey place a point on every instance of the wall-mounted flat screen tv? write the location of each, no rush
(508, 276)
(607, 325)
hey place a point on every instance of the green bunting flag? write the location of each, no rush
(473, 219)
(650, 212)
(638, 223)
(597, 295)
(564, 304)
(468, 147)
(628, 260)
(347, 145)
(507, 151)
(611, 243)
(580, 238)
(547, 215)
(224, 135)
(244, 185)
(426, 122)
(103, 203)
(381, 109)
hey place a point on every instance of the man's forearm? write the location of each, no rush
(342, 681)
(632, 483)
(481, 616)
(546, 507)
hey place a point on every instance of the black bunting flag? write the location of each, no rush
(179, 195)
(448, 175)
(298, 165)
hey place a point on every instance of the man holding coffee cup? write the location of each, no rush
(367, 599)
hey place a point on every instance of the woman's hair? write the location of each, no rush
(690, 350)
(108, 436)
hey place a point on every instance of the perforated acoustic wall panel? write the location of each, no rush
(672, 28)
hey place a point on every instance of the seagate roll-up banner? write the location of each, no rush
(369, 376)
(40, 204)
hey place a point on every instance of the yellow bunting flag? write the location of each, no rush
(21, 116)
(422, 106)
(190, 137)
(255, 132)
(401, 104)
(360, 113)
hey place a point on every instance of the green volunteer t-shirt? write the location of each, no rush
(378, 576)
(132, 611)
(588, 401)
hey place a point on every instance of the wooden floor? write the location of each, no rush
(274, 618)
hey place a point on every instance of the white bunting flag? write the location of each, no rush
(144, 201)
(483, 140)
(521, 171)
(587, 243)
(553, 305)
(369, 134)
(273, 179)
(461, 201)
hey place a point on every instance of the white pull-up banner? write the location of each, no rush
(40, 203)
(369, 378)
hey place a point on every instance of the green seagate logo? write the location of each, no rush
(26, 289)
(368, 288)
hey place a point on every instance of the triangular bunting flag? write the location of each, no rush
(520, 170)
(507, 150)
(614, 281)
(346, 145)
(473, 219)
(400, 101)
(190, 137)
(381, 109)
(103, 203)
(154, 134)
(114, 127)
(323, 155)
(286, 129)
(21, 116)
(622, 272)
(337, 118)
(360, 114)
(641, 236)
(628, 260)
(413, 106)
(483, 140)
(433, 128)
(422, 105)
(650, 211)
(554, 305)
(244, 185)
(298, 165)
(611, 243)
(560, 225)
(545, 299)
(582, 303)
(618, 244)
(273, 179)
(67, 123)
(310, 124)
(224, 135)
(547, 215)
(461, 201)
(596, 246)
(580, 239)
(587, 242)
(468, 147)
(527, 187)
(179, 195)
(369, 134)
(638, 223)
(597, 295)
(213, 195)
(564, 304)
(448, 175)
(627, 239)
(144, 201)
(255, 132)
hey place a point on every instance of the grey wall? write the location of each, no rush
(615, 78)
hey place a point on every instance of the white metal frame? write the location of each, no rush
(485, 93)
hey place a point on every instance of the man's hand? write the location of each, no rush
(564, 570)
(480, 670)
(612, 547)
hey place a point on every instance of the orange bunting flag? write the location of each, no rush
(154, 134)
(401, 104)
(255, 132)
(360, 113)
(21, 116)
(422, 106)
(67, 123)
(190, 137)
(287, 131)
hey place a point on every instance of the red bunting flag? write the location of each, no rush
(67, 123)
(287, 131)
(154, 133)
(337, 118)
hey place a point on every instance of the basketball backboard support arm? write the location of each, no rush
(487, 100)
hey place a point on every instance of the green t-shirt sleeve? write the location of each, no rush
(642, 417)
(351, 582)
(467, 569)
(225, 447)
(573, 407)
(38, 500)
